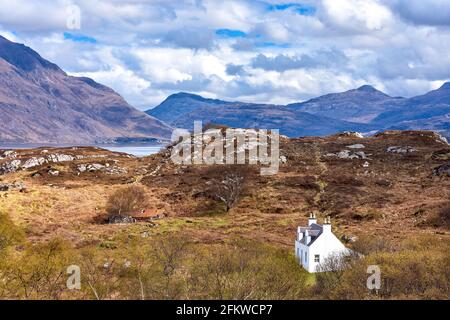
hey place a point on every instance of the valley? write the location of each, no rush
(381, 192)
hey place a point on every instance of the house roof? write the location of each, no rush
(315, 226)
(314, 231)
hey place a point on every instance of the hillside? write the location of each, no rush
(387, 195)
(40, 103)
(379, 181)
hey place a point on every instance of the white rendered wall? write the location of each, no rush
(325, 245)
(300, 249)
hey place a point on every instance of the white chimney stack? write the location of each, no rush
(326, 227)
(299, 234)
(312, 219)
(307, 237)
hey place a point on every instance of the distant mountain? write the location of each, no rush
(439, 123)
(182, 109)
(368, 105)
(433, 104)
(40, 103)
(179, 104)
(360, 105)
(363, 109)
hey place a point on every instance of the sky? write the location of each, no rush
(242, 50)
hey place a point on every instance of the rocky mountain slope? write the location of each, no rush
(434, 104)
(360, 105)
(182, 109)
(368, 105)
(40, 103)
(176, 106)
(363, 109)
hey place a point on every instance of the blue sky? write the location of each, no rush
(249, 50)
(78, 38)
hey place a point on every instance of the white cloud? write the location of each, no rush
(147, 50)
(429, 12)
(124, 81)
(357, 15)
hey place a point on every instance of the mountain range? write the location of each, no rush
(364, 109)
(40, 103)
(182, 109)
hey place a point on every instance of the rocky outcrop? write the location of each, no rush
(349, 238)
(34, 162)
(440, 138)
(12, 186)
(90, 167)
(8, 154)
(121, 219)
(11, 166)
(356, 146)
(397, 149)
(53, 172)
(442, 170)
(353, 134)
(19, 164)
(107, 168)
(347, 154)
(443, 154)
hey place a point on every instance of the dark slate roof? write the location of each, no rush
(314, 231)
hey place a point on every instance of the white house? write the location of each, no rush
(315, 243)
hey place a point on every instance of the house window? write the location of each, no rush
(316, 258)
(306, 257)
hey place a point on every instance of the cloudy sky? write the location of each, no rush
(247, 50)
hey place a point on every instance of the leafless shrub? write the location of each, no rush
(126, 200)
(100, 281)
(331, 271)
(228, 189)
(440, 218)
(169, 255)
(337, 262)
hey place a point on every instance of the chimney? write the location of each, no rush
(307, 237)
(312, 219)
(299, 234)
(326, 227)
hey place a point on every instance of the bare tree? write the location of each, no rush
(332, 270)
(100, 279)
(169, 254)
(336, 262)
(126, 200)
(228, 189)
